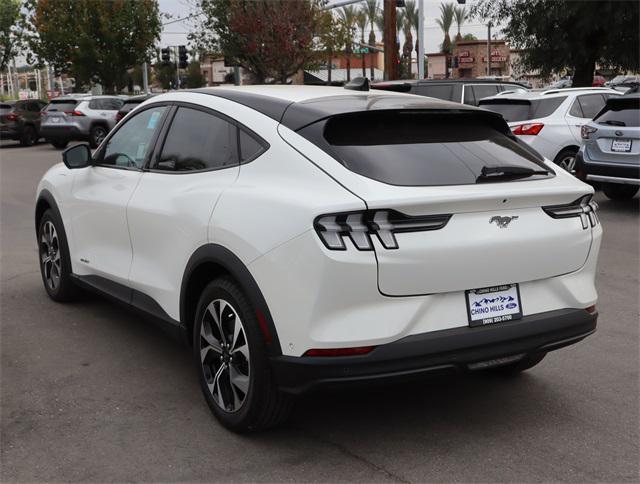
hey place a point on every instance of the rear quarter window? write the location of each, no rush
(416, 148)
(438, 91)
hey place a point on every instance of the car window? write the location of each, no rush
(469, 98)
(546, 107)
(20, 105)
(35, 106)
(130, 145)
(522, 109)
(419, 148)
(591, 104)
(250, 147)
(484, 90)
(576, 110)
(112, 104)
(439, 91)
(198, 140)
(620, 112)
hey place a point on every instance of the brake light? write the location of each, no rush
(75, 112)
(362, 350)
(528, 129)
(11, 117)
(359, 227)
(591, 309)
(585, 131)
(583, 207)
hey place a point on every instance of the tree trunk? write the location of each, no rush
(329, 68)
(583, 74)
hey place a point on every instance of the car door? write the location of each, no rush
(170, 210)
(100, 194)
(583, 109)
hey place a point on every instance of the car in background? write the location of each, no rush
(598, 81)
(623, 81)
(87, 118)
(610, 153)
(20, 120)
(550, 121)
(562, 84)
(130, 104)
(464, 91)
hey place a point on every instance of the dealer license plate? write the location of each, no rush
(491, 305)
(621, 145)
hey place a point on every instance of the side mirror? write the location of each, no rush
(78, 156)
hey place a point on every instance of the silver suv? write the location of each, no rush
(79, 117)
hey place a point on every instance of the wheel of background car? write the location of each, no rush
(232, 363)
(567, 159)
(60, 144)
(619, 192)
(28, 136)
(55, 263)
(98, 133)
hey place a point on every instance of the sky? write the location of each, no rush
(176, 33)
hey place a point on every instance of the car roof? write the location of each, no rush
(551, 93)
(299, 106)
(461, 80)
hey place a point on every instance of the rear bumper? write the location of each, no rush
(62, 132)
(606, 172)
(437, 351)
(10, 133)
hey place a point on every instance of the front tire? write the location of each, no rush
(97, 134)
(55, 263)
(232, 362)
(619, 192)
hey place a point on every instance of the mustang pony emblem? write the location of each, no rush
(502, 222)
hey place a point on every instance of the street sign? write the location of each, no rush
(361, 50)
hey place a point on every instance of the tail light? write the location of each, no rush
(43, 113)
(360, 227)
(585, 131)
(75, 112)
(591, 309)
(119, 116)
(361, 350)
(584, 207)
(11, 117)
(528, 129)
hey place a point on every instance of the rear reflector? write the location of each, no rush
(362, 350)
(528, 129)
(591, 309)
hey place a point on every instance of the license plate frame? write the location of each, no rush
(621, 145)
(483, 305)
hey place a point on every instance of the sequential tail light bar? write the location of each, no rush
(360, 227)
(583, 207)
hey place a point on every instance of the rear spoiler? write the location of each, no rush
(392, 86)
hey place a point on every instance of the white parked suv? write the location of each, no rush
(299, 237)
(550, 121)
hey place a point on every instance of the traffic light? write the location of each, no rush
(182, 57)
(165, 55)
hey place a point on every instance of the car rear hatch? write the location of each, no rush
(5, 120)
(454, 201)
(614, 134)
(59, 112)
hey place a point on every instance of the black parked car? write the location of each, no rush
(464, 91)
(130, 104)
(20, 120)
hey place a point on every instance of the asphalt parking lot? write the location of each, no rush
(91, 392)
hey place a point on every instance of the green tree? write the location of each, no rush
(195, 78)
(271, 39)
(9, 31)
(461, 16)
(447, 12)
(569, 34)
(165, 75)
(94, 40)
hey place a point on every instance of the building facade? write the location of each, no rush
(472, 59)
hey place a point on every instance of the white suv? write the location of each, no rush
(300, 237)
(550, 121)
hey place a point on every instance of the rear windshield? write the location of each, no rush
(620, 112)
(417, 148)
(62, 105)
(522, 109)
(6, 107)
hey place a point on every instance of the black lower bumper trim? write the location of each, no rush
(451, 349)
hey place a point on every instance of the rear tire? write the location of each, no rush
(232, 362)
(28, 137)
(517, 367)
(615, 191)
(567, 159)
(55, 263)
(60, 144)
(96, 135)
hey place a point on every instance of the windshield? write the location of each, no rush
(62, 105)
(415, 148)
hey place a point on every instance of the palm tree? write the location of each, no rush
(348, 16)
(361, 21)
(411, 23)
(371, 8)
(461, 16)
(447, 12)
